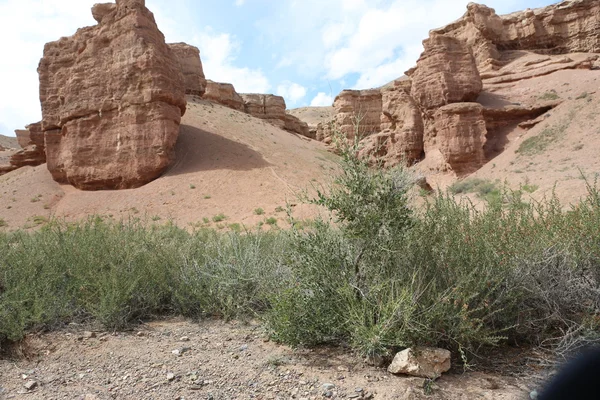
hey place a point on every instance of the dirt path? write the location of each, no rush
(215, 360)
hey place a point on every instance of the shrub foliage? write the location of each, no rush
(378, 275)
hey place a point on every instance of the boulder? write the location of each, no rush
(460, 132)
(223, 93)
(446, 73)
(115, 93)
(191, 68)
(424, 362)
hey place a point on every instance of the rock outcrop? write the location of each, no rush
(191, 68)
(225, 94)
(446, 73)
(435, 109)
(265, 106)
(566, 27)
(32, 151)
(269, 107)
(112, 98)
(460, 132)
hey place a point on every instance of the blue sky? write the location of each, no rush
(304, 50)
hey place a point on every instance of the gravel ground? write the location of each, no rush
(177, 359)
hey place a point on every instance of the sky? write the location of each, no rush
(304, 50)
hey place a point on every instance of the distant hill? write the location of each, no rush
(9, 142)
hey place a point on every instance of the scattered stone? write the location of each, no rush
(30, 384)
(184, 339)
(424, 362)
(170, 376)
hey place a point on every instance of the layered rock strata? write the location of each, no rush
(446, 73)
(225, 94)
(112, 98)
(191, 68)
(566, 27)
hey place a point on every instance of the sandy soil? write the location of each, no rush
(216, 360)
(227, 163)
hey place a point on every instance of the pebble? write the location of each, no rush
(30, 385)
(170, 376)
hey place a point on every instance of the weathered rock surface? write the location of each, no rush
(191, 68)
(460, 132)
(401, 117)
(356, 112)
(446, 73)
(566, 27)
(32, 151)
(265, 106)
(112, 99)
(223, 93)
(295, 125)
(424, 362)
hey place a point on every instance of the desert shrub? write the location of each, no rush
(377, 274)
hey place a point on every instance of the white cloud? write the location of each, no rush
(22, 47)
(292, 92)
(322, 100)
(218, 52)
(240, 2)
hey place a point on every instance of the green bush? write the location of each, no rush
(378, 276)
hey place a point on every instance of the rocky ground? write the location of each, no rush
(178, 359)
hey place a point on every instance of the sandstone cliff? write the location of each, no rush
(112, 98)
(225, 94)
(446, 108)
(191, 68)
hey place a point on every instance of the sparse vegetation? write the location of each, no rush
(192, 186)
(219, 217)
(279, 209)
(3, 223)
(271, 221)
(484, 188)
(235, 227)
(550, 95)
(259, 211)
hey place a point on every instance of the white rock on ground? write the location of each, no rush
(424, 362)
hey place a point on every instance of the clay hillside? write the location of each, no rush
(501, 98)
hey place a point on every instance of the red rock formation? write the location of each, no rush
(295, 125)
(115, 93)
(265, 106)
(32, 151)
(191, 68)
(225, 94)
(356, 111)
(566, 27)
(446, 73)
(460, 131)
(402, 119)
